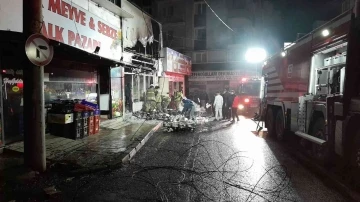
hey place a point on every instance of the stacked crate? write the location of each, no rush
(77, 130)
(85, 121)
(96, 121)
(91, 123)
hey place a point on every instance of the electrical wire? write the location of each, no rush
(217, 15)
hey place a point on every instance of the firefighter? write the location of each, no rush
(177, 98)
(150, 103)
(165, 102)
(158, 99)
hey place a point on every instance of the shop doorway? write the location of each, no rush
(12, 99)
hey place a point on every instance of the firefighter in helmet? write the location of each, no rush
(150, 102)
(165, 102)
(178, 98)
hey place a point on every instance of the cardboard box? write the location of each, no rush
(60, 118)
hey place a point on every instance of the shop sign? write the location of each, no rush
(15, 89)
(68, 23)
(12, 81)
(11, 15)
(176, 62)
(220, 75)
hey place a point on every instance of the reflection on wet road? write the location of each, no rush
(231, 164)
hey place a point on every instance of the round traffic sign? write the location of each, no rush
(38, 50)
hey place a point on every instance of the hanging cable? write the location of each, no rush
(217, 16)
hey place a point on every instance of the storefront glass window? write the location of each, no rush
(68, 84)
(116, 92)
(13, 108)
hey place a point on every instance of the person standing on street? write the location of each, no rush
(218, 104)
(229, 105)
(235, 106)
(225, 107)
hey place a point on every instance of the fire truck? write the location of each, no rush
(312, 90)
(249, 90)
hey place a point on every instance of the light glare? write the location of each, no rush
(255, 55)
(325, 32)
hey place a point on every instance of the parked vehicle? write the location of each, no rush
(249, 90)
(312, 90)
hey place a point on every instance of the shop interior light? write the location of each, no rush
(325, 32)
(255, 55)
(247, 100)
(3, 71)
(283, 54)
(244, 79)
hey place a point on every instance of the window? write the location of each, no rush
(200, 33)
(200, 57)
(116, 2)
(200, 8)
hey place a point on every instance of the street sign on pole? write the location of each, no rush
(38, 50)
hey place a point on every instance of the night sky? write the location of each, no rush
(298, 16)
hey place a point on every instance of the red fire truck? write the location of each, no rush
(312, 90)
(249, 91)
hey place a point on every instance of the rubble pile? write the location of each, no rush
(181, 123)
(175, 120)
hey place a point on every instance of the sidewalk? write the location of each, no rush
(109, 147)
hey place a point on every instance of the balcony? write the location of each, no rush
(199, 20)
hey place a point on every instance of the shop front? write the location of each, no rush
(85, 49)
(176, 67)
(211, 82)
(136, 84)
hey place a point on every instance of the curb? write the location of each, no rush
(137, 148)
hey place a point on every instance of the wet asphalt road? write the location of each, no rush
(231, 164)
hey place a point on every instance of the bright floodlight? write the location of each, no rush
(255, 55)
(283, 54)
(325, 32)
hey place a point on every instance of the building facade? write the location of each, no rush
(191, 28)
(95, 43)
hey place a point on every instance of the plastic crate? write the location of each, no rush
(85, 121)
(85, 114)
(77, 115)
(85, 131)
(96, 124)
(91, 120)
(78, 123)
(91, 130)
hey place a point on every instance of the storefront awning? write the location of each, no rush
(66, 52)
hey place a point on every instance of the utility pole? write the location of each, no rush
(34, 113)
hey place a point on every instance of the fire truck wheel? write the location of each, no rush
(270, 122)
(320, 153)
(279, 126)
